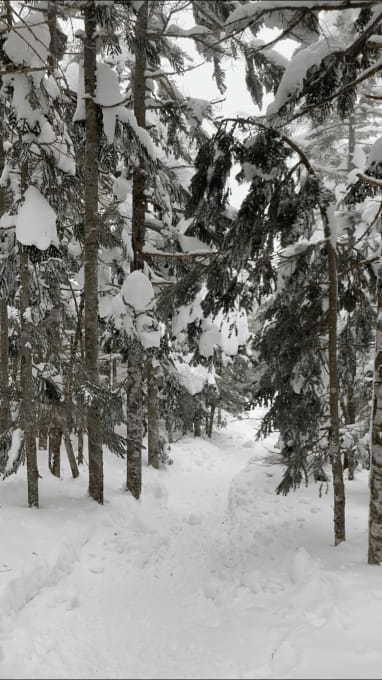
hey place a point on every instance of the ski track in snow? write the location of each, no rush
(208, 575)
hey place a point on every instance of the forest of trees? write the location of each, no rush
(135, 299)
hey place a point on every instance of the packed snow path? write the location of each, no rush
(209, 575)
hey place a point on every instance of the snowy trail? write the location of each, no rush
(210, 575)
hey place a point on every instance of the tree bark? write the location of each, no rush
(55, 437)
(4, 368)
(197, 423)
(80, 446)
(334, 433)
(43, 436)
(134, 430)
(139, 93)
(210, 421)
(91, 251)
(375, 506)
(4, 343)
(5, 414)
(153, 444)
(70, 453)
(136, 356)
(27, 403)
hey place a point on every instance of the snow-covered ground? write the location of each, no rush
(209, 575)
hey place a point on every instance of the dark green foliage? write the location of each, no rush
(261, 74)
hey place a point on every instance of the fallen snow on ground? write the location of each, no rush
(208, 575)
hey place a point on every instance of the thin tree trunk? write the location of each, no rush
(55, 437)
(134, 430)
(78, 341)
(4, 368)
(80, 446)
(52, 23)
(197, 423)
(139, 93)
(153, 444)
(136, 356)
(211, 416)
(375, 506)
(114, 373)
(334, 434)
(4, 343)
(43, 436)
(220, 419)
(351, 410)
(91, 250)
(27, 405)
(70, 453)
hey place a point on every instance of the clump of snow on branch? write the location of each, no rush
(292, 80)
(36, 221)
(227, 331)
(194, 378)
(108, 96)
(28, 45)
(138, 294)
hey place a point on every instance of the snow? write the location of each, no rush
(108, 92)
(271, 54)
(191, 244)
(108, 95)
(227, 331)
(176, 31)
(193, 378)
(36, 221)
(128, 116)
(295, 72)
(210, 575)
(375, 153)
(249, 10)
(137, 291)
(28, 45)
(14, 451)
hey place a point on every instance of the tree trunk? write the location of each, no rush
(80, 446)
(211, 417)
(375, 506)
(220, 418)
(139, 93)
(27, 405)
(197, 423)
(70, 453)
(134, 431)
(43, 436)
(136, 357)
(4, 367)
(91, 250)
(5, 414)
(153, 444)
(55, 437)
(334, 434)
